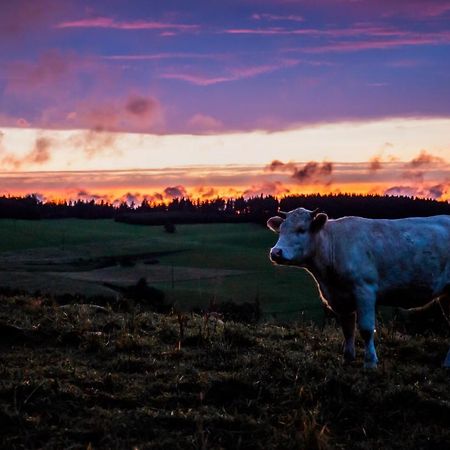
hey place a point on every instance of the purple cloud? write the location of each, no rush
(175, 191)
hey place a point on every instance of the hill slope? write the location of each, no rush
(79, 376)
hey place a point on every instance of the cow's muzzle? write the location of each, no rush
(276, 255)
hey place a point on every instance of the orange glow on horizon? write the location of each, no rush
(155, 195)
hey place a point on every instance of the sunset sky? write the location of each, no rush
(121, 100)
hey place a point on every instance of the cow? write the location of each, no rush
(358, 263)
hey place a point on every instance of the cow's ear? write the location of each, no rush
(318, 222)
(274, 223)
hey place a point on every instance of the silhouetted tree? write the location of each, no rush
(254, 209)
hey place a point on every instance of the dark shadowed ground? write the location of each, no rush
(79, 376)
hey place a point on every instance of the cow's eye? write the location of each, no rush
(300, 230)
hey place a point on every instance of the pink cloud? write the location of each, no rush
(234, 74)
(199, 80)
(108, 22)
(41, 151)
(418, 9)
(353, 31)
(225, 180)
(429, 9)
(60, 80)
(425, 158)
(19, 17)
(49, 68)
(371, 37)
(203, 122)
(259, 31)
(57, 76)
(141, 107)
(276, 17)
(435, 191)
(268, 188)
(435, 9)
(355, 46)
(161, 56)
(22, 123)
(375, 163)
(417, 168)
(103, 119)
(316, 32)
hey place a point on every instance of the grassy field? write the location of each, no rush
(230, 260)
(78, 377)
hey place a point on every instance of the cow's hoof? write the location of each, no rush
(370, 364)
(446, 362)
(349, 358)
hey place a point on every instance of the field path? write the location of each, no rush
(152, 273)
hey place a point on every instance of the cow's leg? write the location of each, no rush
(348, 328)
(444, 302)
(365, 314)
(435, 307)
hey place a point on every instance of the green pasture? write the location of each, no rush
(243, 247)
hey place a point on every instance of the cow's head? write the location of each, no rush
(297, 231)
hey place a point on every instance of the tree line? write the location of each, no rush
(254, 209)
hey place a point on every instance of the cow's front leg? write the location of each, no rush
(348, 328)
(365, 314)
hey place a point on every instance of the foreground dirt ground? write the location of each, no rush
(79, 376)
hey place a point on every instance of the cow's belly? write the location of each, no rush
(412, 288)
(338, 299)
(411, 297)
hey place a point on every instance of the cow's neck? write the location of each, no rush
(323, 268)
(321, 262)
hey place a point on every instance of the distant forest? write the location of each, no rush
(255, 209)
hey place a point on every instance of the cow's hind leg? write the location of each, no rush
(365, 315)
(444, 302)
(440, 306)
(348, 327)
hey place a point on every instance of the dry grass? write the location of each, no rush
(82, 377)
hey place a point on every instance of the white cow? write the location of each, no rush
(358, 262)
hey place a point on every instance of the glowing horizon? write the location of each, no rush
(381, 156)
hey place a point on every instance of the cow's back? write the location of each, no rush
(401, 258)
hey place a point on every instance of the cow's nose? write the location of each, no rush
(276, 254)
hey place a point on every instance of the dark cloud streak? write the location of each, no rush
(38, 155)
(311, 172)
